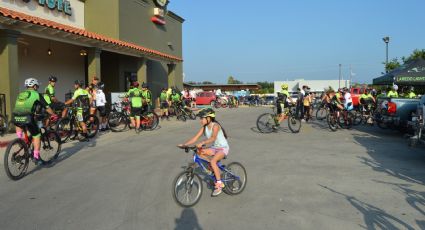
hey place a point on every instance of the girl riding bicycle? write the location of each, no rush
(216, 136)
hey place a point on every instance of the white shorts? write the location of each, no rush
(220, 149)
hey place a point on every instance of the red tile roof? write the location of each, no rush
(51, 24)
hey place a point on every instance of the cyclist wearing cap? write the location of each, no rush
(50, 98)
(82, 100)
(217, 138)
(411, 93)
(135, 95)
(393, 92)
(282, 102)
(146, 99)
(27, 111)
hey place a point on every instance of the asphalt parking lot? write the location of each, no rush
(364, 178)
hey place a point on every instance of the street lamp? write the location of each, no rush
(386, 40)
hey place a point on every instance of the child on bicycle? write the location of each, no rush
(216, 136)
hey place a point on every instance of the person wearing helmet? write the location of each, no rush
(216, 138)
(176, 100)
(135, 95)
(393, 92)
(164, 104)
(282, 102)
(411, 93)
(28, 108)
(82, 100)
(146, 98)
(50, 98)
(366, 100)
(100, 105)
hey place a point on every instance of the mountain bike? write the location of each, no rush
(182, 112)
(20, 151)
(187, 186)
(322, 111)
(69, 127)
(119, 117)
(336, 119)
(149, 121)
(269, 122)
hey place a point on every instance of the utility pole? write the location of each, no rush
(386, 40)
(339, 81)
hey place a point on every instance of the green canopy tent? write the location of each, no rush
(411, 73)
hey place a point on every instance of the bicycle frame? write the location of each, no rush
(201, 162)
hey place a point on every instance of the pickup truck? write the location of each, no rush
(396, 112)
(418, 124)
(355, 95)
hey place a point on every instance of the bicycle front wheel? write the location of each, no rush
(92, 123)
(332, 122)
(64, 129)
(294, 124)
(50, 146)
(16, 159)
(187, 189)
(265, 123)
(234, 178)
(153, 122)
(321, 113)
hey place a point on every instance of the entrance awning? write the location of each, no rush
(11, 18)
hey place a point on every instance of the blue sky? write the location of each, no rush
(278, 40)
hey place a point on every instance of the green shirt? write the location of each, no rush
(285, 92)
(49, 92)
(175, 97)
(25, 102)
(392, 93)
(366, 96)
(147, 96)
(163, 97)
(80, 92)
(135, 96)
(411, 95)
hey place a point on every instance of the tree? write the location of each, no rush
(415, 55)
(232, 80)
(393, 64)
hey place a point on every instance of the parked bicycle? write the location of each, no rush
(119, 117)
(20, 151)
(269, 122)
(69, 127)
(187, 186)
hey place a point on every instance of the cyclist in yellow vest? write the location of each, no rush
(393, 92)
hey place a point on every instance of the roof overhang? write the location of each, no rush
(38, 27)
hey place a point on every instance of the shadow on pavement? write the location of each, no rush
(374, 217)
(187, 220)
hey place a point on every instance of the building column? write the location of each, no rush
(9, 69)
(142, 70)
(171, 75)
(94, 63)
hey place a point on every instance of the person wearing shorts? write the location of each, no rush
(82, 100)
(216, 136)
(135, 95)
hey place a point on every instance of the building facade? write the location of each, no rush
(114, 40)
(317, 86)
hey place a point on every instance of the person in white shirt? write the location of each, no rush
(100, 105)
(348, 101)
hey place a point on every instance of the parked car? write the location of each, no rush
(269, 100)
(205, 98)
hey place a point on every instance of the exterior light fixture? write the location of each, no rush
(49, 51)
(83, 52)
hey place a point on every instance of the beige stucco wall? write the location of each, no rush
(65, 63)
(34, 9)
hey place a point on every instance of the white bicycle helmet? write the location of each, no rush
(30, 82)
(395, 87)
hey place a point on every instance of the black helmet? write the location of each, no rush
(144, 85)
(101, 85)
(79, 82)
(207, 112)
(53, 79)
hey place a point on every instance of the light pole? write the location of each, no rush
(339, 81)
(386, 40)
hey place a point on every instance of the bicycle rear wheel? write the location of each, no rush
(16, 159)
(153, 122)
(64, 129)
(187, 189)
(294, 124)
(50, 146)
(92, 123)
(234, 178)
(117, 122)
(265, 123)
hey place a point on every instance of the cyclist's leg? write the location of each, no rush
(35, 133)
(219, 155)
(80, 119)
